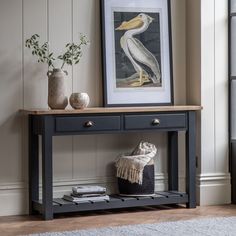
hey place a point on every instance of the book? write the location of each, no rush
(85, 199)
(86, 189)
(87, 195)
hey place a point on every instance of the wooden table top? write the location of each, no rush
(95, 110)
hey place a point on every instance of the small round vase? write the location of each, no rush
(57, 98)
(79, 100)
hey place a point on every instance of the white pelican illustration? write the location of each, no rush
(143, 61)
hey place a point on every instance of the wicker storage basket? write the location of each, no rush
(147, 187)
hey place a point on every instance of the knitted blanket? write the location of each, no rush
(130, 166)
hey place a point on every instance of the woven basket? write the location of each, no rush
(147, 187)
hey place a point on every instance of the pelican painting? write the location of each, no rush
(144, 63)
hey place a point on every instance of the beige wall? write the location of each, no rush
(23, 84)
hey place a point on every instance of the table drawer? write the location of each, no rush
(152, 121)
(88, 123)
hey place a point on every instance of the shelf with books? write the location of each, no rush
(115, 201)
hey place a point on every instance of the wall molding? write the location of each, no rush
(12, 186)
(160, 178)
(213, 178)
(213, 188)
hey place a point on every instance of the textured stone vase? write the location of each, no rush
(57, 98)
(79, 100)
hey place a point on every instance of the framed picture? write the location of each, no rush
(137, 52)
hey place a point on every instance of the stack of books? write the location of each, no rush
(87, 193)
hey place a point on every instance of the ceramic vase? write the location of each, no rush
(57, 98)
(79, 100)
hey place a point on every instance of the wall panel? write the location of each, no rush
(179, 67)
(60, 33)
(35, 87)
(221, 86)
(85, 79)
(11, 91)
(35, 74)
(208, 84)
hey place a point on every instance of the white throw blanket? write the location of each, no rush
(130, 167)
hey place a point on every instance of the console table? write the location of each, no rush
(49, 123)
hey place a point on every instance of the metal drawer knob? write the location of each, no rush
(89, 124)
(156, 122)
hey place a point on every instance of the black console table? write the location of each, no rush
(49, 123)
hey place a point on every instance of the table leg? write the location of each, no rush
(173, 161)
(191, 160)
(33, 162)
(47, 176)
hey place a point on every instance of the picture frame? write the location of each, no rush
(137, 53)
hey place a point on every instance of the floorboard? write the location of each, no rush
(20, 225)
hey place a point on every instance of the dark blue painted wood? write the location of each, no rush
(116, 201)
(47, 178)
(232, 77)
(48, 126)
(191, 160)
(233, 172)
(88, 123)
(173, 161)
(33, 166)
(155, 121)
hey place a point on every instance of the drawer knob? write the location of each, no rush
(89, 124)
(156, 122)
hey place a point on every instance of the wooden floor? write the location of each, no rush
(21, 225)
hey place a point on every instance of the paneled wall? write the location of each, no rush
(207, 84)
(23, 84)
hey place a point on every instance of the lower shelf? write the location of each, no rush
(115, 202)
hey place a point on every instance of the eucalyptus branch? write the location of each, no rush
(73, 52)
(71, 56)
(42, 52)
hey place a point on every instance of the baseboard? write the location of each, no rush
(13, 202)
(213, 189)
